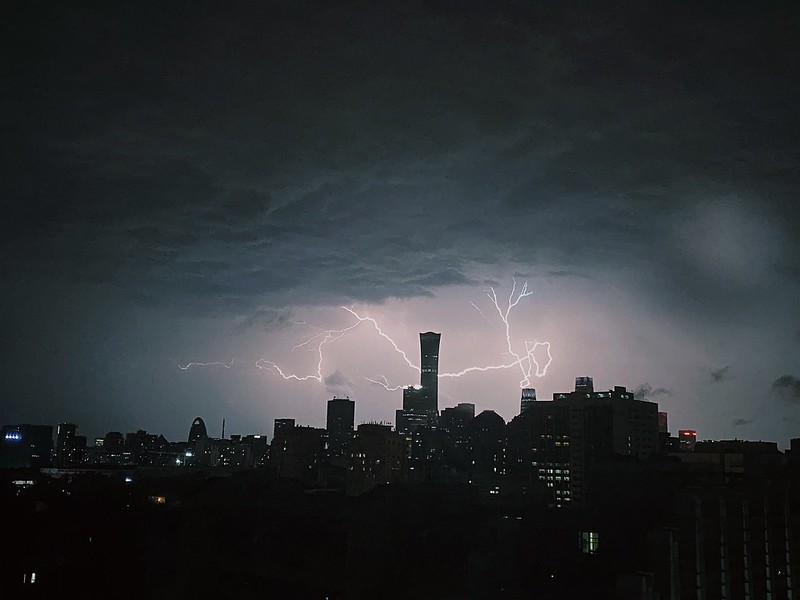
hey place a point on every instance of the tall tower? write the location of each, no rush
(421, 404)
(339, 424)
(429, 367)
(198, 430)
(528, 399)
(65, 435)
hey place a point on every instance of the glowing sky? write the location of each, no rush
(212, 183)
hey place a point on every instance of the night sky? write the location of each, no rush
(191, 182)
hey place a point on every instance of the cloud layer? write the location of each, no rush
(227, 165)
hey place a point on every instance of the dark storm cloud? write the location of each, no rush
(721, 374)
(210, 158)
(337, 383)
(646, 391)
(266, 320)
(787, 387)
(742, 422)
(163, 160)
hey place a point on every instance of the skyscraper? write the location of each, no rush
(421, 404)
(528, 399)
(65, 434)
(339, 425)
(429, 367)
(198, 430)
(564, 439)
(25, 446)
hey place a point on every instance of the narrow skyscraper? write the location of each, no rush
(429, 367)
(421, 404)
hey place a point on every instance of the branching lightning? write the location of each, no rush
(328, 336)
(526, 362)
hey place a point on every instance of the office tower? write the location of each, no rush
(539, 450)
(419, 418)
(147, 449)
(528, 399)
(339, 425)
(65, 434)
(198, 430)
(298, 452)
(578, 429)
(281, 426)
(420, 404)
(377, 457)
(687, 438)
(584, 385)
(455, 426)
(462, 412)
(26, 446)
(662, 423)
(429, 367)
(416, 412)
(487, 453)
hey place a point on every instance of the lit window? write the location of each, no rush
(590, 542)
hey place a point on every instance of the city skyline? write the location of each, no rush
(194, 198)
(527, 400)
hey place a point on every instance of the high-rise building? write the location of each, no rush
(339, 425)
(421, 404)
(65, 434)
(563, 439)
(198, 430)
(281, 426)
(528, 399)
(455, 426)
(584, 385)
(687, 438)
(429, 367)
(26, 446)
(662, 423)
(487, 449)
(419, 418)
(377, 457)
(298, 452)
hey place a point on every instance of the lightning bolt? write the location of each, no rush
(384, 383)
(328, 336)
(331, 335)
(480, 312)
(215, 363)
(525, 362)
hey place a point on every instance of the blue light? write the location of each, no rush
(13, 436)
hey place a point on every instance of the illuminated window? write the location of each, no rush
(590, 542)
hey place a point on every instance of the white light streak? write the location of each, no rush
(527, 363)
(215, 363)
